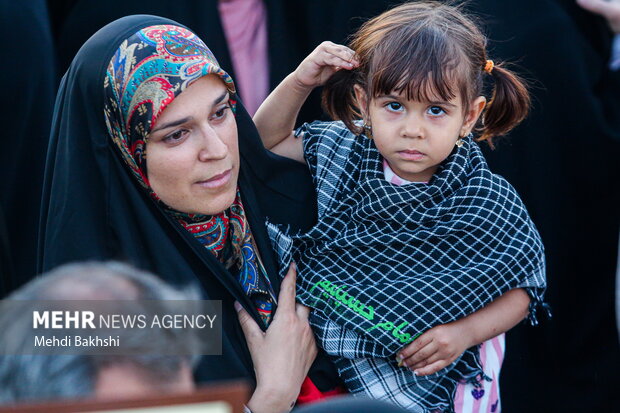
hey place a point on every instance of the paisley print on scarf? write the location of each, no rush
(231, 229)
(211, 234)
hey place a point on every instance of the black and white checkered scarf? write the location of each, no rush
(385, 263)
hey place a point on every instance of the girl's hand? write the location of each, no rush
(283, 354)
(435, 349)
(441, 345)
(323, 62)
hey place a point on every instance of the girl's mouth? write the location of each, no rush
(411, 155)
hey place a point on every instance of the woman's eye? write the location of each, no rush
(175, 136)
(220, 113)
(394, 106)
(436, 111)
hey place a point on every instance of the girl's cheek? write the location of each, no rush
(391, 115)
(440, 121)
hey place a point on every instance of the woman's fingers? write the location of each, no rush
(606, 9)
(251, 330)
(284, 353)
(286, 299)
(303, 312)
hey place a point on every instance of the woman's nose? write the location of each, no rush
(212, 147)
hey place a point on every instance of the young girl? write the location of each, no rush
(419, 253)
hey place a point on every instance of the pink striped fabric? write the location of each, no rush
(483, 399)
(468, 398)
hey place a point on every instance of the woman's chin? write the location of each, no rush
(214, 204)
(199, 200)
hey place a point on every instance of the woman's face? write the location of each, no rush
(192, 152)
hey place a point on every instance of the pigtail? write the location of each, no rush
(339, 100)
(509, 104)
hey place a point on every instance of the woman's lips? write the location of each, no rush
(217, 180)
(412, 155)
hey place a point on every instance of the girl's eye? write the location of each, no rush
(436, 111)
(175, 136)
(394, 106)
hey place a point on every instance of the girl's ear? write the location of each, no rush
(472, 115)
(362, 100)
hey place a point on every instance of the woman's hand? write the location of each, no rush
(435, 349)
(323, 62)
(283, 354)
(609, 9)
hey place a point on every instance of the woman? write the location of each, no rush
(149, 163)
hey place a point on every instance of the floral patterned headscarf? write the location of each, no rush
(147, 72)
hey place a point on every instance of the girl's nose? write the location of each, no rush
(413, 128)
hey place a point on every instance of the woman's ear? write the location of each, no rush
(362, 100)
(472, 115)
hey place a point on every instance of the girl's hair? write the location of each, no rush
(426, 50)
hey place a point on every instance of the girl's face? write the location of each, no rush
(415, 137)
(192, 151)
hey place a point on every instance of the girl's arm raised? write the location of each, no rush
(441, 345)
(275, 119)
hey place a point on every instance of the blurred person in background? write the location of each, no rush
(258, 42)
(563, 161)
(34, 378)
(29, 88)
(610, 10)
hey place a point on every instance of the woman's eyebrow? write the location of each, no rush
(220, 98)
(172, 123)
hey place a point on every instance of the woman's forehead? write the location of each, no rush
(199, 97)
(151, 68)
